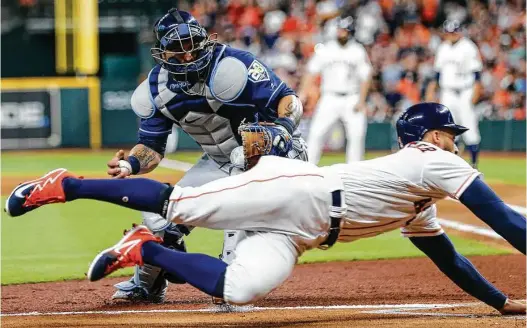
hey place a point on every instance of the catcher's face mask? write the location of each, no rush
(184, 49)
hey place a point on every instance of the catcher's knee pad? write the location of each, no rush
(155, 222)
(172, 235)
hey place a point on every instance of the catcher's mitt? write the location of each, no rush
(262, 138)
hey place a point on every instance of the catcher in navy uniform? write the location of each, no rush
(216, 94)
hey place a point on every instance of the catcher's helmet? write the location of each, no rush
(179, 33)
(451, 26)
(423, 117)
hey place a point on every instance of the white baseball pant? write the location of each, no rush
(331, 108)
(460, 104)
(277, 236)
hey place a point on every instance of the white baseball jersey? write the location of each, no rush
(293, 197)
(400, 190)
(457, 63)
(342, 68)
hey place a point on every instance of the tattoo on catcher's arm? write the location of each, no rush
(291, 107)
(148, 158)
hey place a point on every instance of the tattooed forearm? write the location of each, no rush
(291, 107)
(148, 158)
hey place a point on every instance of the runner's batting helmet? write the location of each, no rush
(423, 117)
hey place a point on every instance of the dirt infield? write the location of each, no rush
(380, 293)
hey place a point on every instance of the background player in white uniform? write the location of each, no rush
(290, 206)
(346, 74)
(458, 69)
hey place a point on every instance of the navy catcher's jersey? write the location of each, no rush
(212, 122)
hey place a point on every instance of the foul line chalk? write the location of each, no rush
(175, 165)
(251, 308)
(468, 228)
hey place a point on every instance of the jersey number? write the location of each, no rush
(421, 146)
(419, 206)
(422, 205)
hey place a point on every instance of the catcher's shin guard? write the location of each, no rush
(149, 283)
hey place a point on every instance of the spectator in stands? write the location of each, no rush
(408, 82)
(400, 36)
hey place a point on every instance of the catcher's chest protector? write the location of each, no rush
(238, 87)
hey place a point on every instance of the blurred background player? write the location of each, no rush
(458, 72)
(346, 75)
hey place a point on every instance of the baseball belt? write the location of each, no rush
(336, 214)
(459, 90)
(343, 94)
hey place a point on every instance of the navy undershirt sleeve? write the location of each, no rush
(487, 206)
(459, 269)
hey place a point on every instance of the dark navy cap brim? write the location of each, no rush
(458, 129)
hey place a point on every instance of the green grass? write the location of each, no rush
(58, 242)
(505, 170)
(15, 163)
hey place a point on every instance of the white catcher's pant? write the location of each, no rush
(460, 104)
(331, 108)
(276, 238)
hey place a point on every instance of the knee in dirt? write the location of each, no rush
(244, 288)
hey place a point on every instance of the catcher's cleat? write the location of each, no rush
(136, 294)
(126, 253)
(31, 194)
